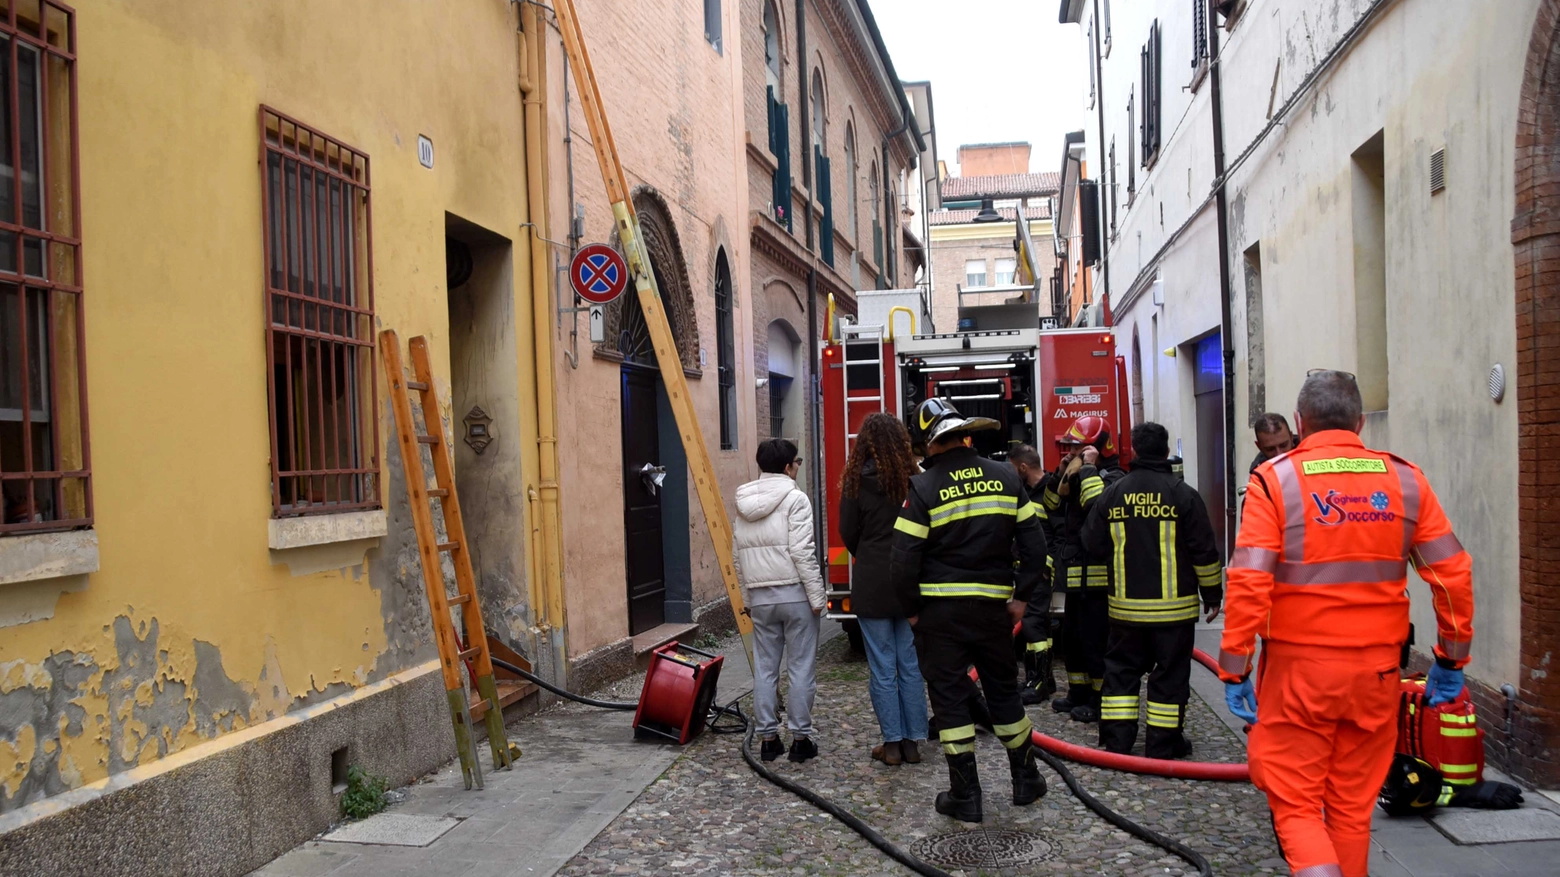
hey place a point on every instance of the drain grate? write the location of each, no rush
(984, 848)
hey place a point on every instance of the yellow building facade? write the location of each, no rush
(222, 588)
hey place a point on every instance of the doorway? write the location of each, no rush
(1208, 392)
(644, 558)
(485, 408)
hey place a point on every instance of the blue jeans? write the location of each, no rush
(898, 694)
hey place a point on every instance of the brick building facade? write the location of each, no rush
(830, 143)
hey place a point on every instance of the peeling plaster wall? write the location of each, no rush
(192, 628)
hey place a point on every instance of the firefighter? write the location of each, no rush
(953, 567)
(1318, 570)
(1156, 531)
(1089, 464)
(1039, 684)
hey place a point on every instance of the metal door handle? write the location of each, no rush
(653, 477)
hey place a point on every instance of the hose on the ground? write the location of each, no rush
(577, 698)
(1122, 822)
(866, 831)
(838, 812)
(1186, 770)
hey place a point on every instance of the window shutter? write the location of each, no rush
(1199, 31)
(826, 198)
(1155, 69)
(780, 148)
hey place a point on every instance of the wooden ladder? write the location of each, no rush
(452, 651)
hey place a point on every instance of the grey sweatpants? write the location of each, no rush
(791, 628)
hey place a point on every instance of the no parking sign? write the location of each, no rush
(598, 273)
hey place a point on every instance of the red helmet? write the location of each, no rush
(1090, 430)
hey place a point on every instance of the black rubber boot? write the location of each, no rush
(962, 800)
(1085, 712)
(1028, 784)
(1038, 683)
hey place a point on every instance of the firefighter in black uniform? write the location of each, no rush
(1090, 465)
(1036, 634)
(1156, 531)
(953, 567)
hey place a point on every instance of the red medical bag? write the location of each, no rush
(1446, 735)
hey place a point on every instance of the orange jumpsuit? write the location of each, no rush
(1319, 573)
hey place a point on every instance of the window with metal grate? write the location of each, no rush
(1438, 170)
(320, 321)
(45, 461)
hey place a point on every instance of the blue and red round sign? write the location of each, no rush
(598, 273)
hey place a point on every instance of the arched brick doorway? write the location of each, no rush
(1534, 747)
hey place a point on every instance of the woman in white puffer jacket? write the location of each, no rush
(777, 564)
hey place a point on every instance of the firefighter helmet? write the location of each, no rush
(937, 419)
(1412, 786)
(1090, 430)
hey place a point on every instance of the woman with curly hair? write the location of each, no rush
(872, 489)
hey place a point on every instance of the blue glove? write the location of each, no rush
(1241, 698)
(1443, 685)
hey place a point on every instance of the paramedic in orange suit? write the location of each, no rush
(1319, 573)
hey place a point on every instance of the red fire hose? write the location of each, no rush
(1187, 770)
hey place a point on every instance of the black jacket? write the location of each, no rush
(1145, 522)
(1068, 513)
(867, 528)
(957, 531)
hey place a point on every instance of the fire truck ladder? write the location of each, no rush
(855, 343)
(638, 258)
(453, 653)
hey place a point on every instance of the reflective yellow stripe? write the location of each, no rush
(1096, 577)
(1119, 700)
(958, 748)
(1208, 575)
(1041, 646)
(1169, 569)
(1455, 719)
(1090, 488)
(1051, 500)
(1467, 782)
(1164, 611)
(966, 589)
(1459, 732)
(1097, 684)
(986, 504)
(905, 525)
(1164, 715)
(1077, 679)
(1027, 511)
(1118, 714)
(1118, 537)
(1022, 726)
(953, 735)
(1459, 768)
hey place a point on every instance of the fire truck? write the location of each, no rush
(1034, 382)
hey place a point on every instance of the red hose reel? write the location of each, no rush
(679, 688)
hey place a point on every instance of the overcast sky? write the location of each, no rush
(1000, 70)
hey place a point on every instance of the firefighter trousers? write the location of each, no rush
(1321, 748)
(1164, 652)
(1085, 631)
(951, 635)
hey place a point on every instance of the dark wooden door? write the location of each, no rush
(641, 507)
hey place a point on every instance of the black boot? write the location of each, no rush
(962, 800)
(1038, 684)
(1028, 784)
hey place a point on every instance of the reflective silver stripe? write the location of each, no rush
(1339, 572)
(1453, 649)
(1437, 549)
(1294, 509)
(1236, 665)
(969, 507)
(1259, 559)
(1320, 871)
(1410, 486)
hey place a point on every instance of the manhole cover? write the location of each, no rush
(984, 848)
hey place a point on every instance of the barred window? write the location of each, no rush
(45, 464)
(319, 327)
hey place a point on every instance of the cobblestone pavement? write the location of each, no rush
(710, 815)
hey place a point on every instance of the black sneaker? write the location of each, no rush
(771, 749)
(802, 748)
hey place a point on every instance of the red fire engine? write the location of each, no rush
(1035, 382)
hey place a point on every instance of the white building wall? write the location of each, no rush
(1426, 74)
